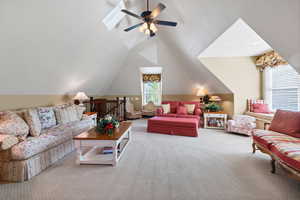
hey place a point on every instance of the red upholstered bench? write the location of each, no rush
(174, 126)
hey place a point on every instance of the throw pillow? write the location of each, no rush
(66, 114)
(182, 110)
(261, 108)
(13, 124)
(287, 122)
(166, 108)
(7, 141)
(47, 117)
(190, 108)
(32, 118)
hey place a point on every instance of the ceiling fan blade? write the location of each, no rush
(156, 11)
(131, 14)
(165, 23)
(133, 27)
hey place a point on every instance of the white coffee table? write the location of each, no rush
(90, 144)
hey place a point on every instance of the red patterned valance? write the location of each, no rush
(151, 77)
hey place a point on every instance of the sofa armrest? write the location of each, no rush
(198, 112)
(159, 111)
(7, 141)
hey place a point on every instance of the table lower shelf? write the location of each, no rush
(93, 154)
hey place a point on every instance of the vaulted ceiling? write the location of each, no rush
(62, 46)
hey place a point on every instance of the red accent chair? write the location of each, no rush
(198, 114)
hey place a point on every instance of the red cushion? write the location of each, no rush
(288, 153)
(261, 108)
(181, 110)
(287, 122)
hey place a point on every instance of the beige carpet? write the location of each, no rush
(214, 166)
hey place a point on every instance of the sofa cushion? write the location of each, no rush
(289, 153)
(181, 110)
(13, 124)
(171, 121)
(80, 126)
(32, 118)
(287, 122)
(173, 105)
(267, 138)
(47, 117)
(190, 108)
(66, 114)
(80, 110)
(166, 108)
(34, 145)
(188, 116)
(7, 141)
(167, 115)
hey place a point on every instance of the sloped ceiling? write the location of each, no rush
(237, 41)
(62, 46)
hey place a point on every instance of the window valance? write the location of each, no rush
(270, 59)
(151, 77)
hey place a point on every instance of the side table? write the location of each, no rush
(216, 120)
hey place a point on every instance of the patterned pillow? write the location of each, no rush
(47, 117)
(32, 118)
(7, 141)
(66, 114)
(190, 108)
(80, 110)
(13, 124)
(166, 108)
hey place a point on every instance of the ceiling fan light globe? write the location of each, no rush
(153, 27)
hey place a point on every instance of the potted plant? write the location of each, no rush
(213, 107)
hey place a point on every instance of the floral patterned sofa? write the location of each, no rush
(281, 142)
(44, 135)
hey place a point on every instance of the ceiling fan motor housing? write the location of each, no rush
(146, 15)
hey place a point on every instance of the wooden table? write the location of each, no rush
(89, 145)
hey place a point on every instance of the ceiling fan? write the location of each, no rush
(148, 26)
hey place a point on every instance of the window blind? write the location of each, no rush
(285, 88)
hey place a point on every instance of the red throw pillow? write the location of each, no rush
(287, 122)
(181, 110)
(261, 108)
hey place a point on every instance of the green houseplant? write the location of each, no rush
(213, 107)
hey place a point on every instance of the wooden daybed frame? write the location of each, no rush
(291, 172)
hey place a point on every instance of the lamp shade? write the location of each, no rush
(200, 92)
(215, 98)
(81, 96)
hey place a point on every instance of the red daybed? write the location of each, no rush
(281, 141)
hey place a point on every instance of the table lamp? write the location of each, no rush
(81, 96)
(200, 93)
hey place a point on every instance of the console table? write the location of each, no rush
(216, 120)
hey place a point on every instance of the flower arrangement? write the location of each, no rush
(107, 125)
